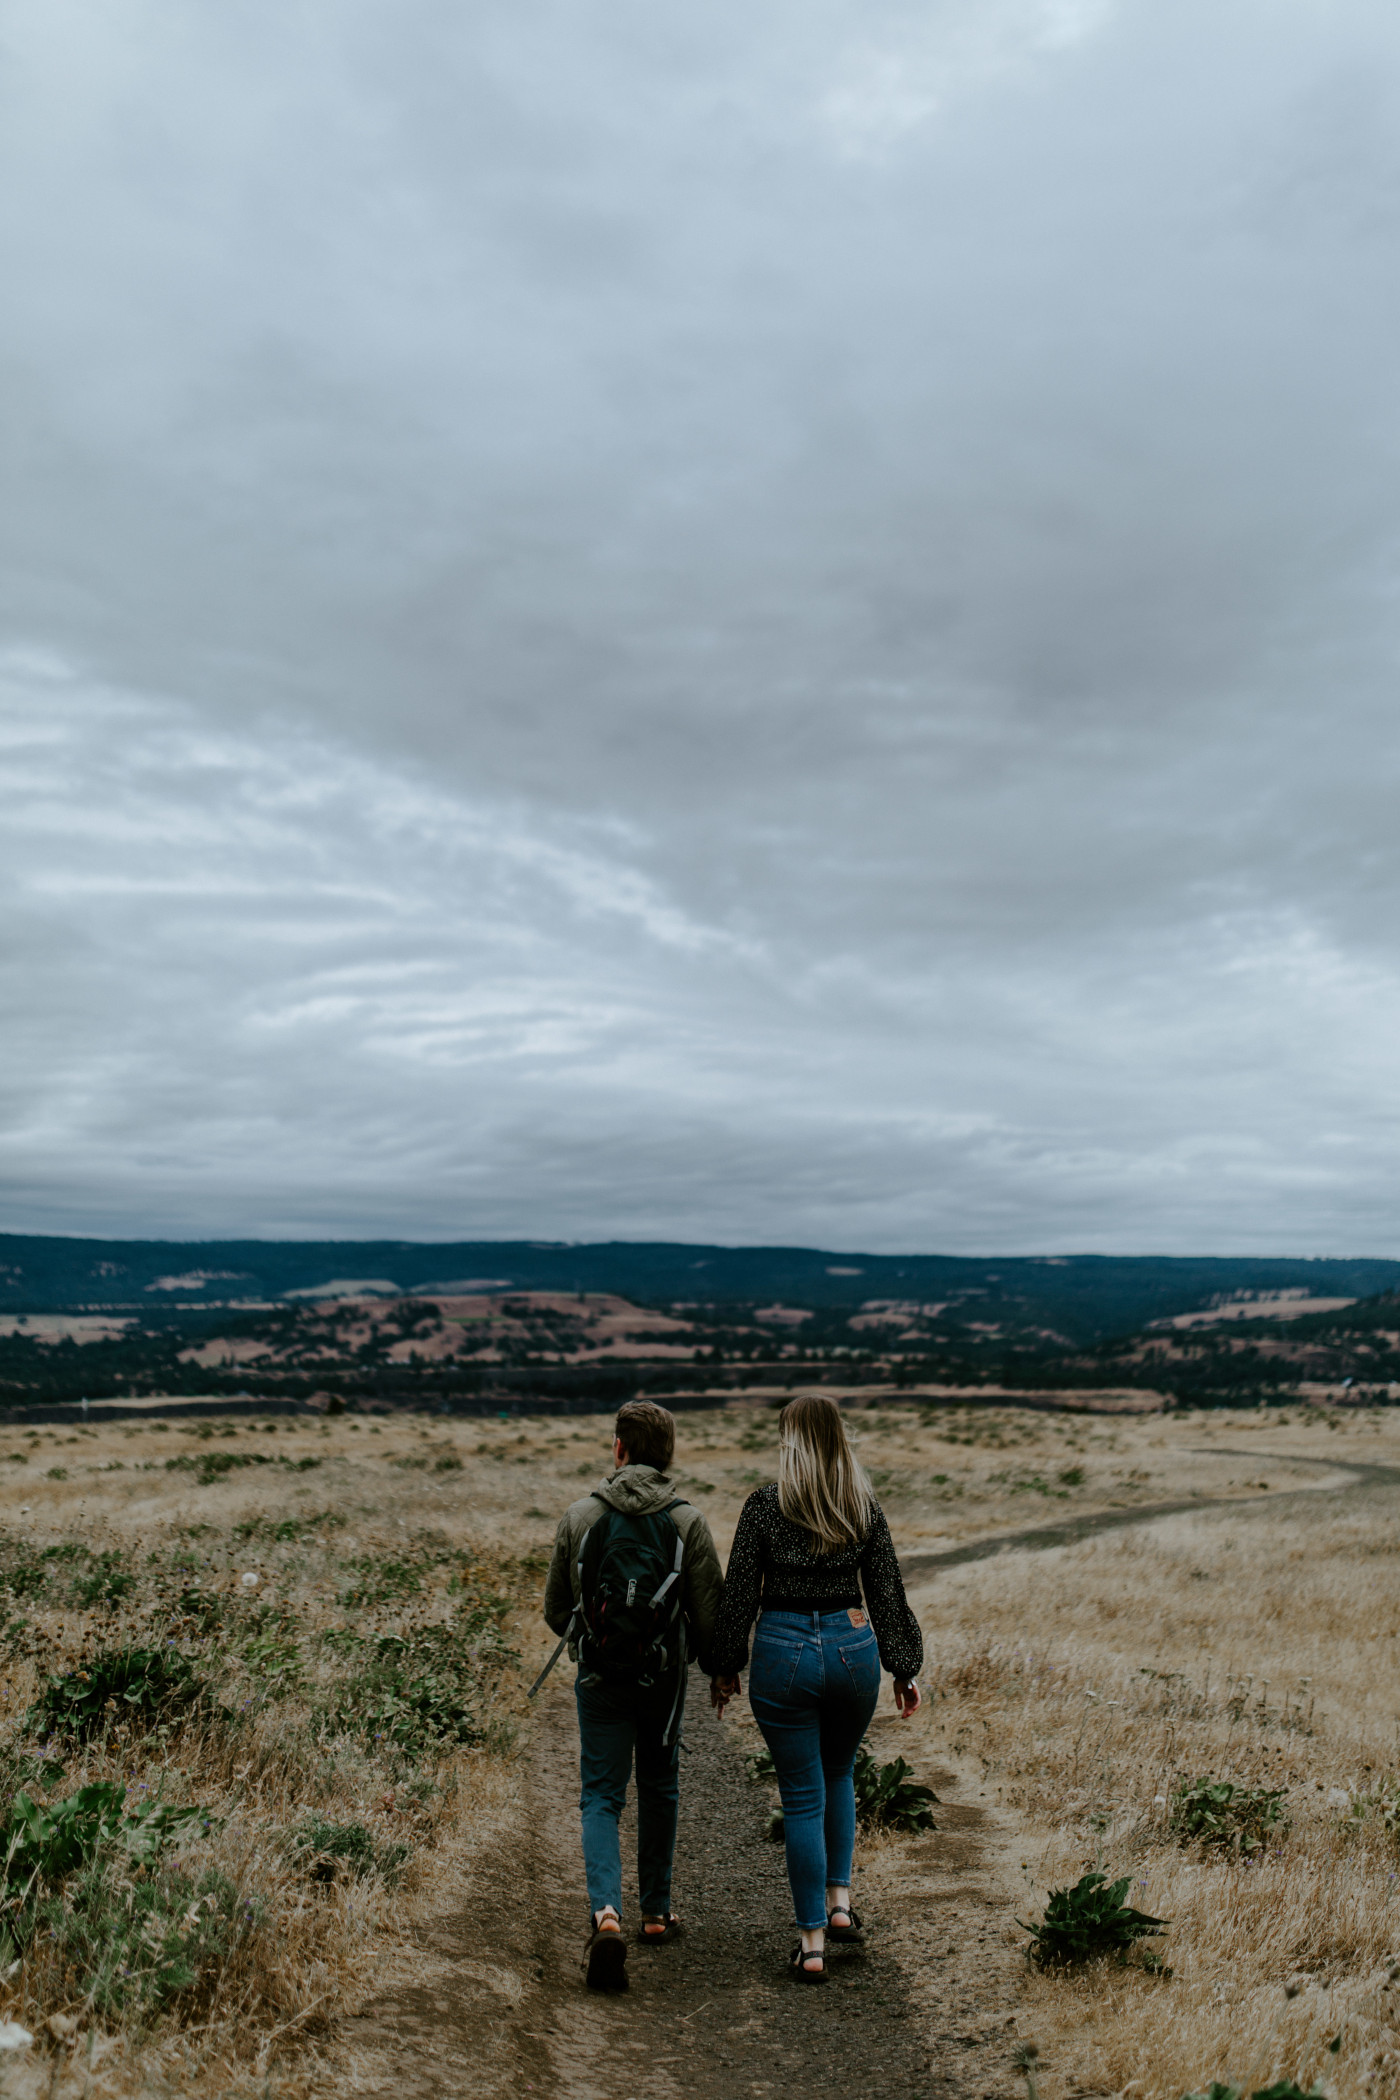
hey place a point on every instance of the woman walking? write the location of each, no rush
(803, 1551)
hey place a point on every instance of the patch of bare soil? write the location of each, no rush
(498, 2002)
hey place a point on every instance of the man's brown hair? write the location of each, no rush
(647, 1433)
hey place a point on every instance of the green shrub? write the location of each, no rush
(1383, 1804)
(886, 1796)
(209, 1466)
(40, 1847)
(1218, 1813)
(27, 1578)
(423, 1687)
(142, 1942)
(322, 1847)
(274, 1657)
(106, 1582)
(125, 1684)
(1087, 1921)
(383, 1582)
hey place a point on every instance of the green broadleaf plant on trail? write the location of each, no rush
(887, 1796)
(1086, 1922)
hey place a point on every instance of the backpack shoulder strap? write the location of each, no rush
(597, 1522)
(675, 1574)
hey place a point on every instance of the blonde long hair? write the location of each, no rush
(821, 1485)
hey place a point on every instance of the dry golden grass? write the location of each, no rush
(1259, 1648)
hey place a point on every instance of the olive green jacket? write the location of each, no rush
(639, 1490)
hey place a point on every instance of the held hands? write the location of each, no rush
(722, 1690)
(907, 1696)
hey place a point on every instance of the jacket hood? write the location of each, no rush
(637, 1490)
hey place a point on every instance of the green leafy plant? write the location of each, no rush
(1086, 1922)
(1219, 1813)
(106, 1582)
(323, 1845)
(40, 1846)
(126, 1684)
(323, 1849)
(424, 1687)
(1382, 1804)
(887, 1797)
(27, 1578)
(209, 1466)
(143, 1941)
(274, 1657)
(383, 1582)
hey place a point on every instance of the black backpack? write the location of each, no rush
(629, 1604)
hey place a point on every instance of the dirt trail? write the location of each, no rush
(1357, 1474)
(503, 2009)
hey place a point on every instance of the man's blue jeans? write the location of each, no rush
(813, 1683)
(616, 1722)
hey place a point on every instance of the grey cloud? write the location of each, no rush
(790, 610)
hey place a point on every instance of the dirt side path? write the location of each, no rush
(497, 2004)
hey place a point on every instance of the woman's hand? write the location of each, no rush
(722, 1690)
(907, 1696)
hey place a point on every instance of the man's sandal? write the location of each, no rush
(605, 1956)
(670, 1929)
(848, 1935)
(798, 1960)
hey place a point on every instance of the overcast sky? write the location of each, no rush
(774, 621)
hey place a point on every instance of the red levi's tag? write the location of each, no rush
(857, 1618)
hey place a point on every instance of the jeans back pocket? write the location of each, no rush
(774, 1666)
(861, 1658)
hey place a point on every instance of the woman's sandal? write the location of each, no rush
(849, 1935)
(670, 1930)
(605, 1956)
(798, 1960)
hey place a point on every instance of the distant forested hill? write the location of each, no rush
(1080, 1299)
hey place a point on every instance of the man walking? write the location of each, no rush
(634, 1588)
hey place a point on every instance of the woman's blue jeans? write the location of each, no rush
(814, 1680)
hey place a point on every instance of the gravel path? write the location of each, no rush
(715, 2013)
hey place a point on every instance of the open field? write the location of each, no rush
(1252, 1637)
